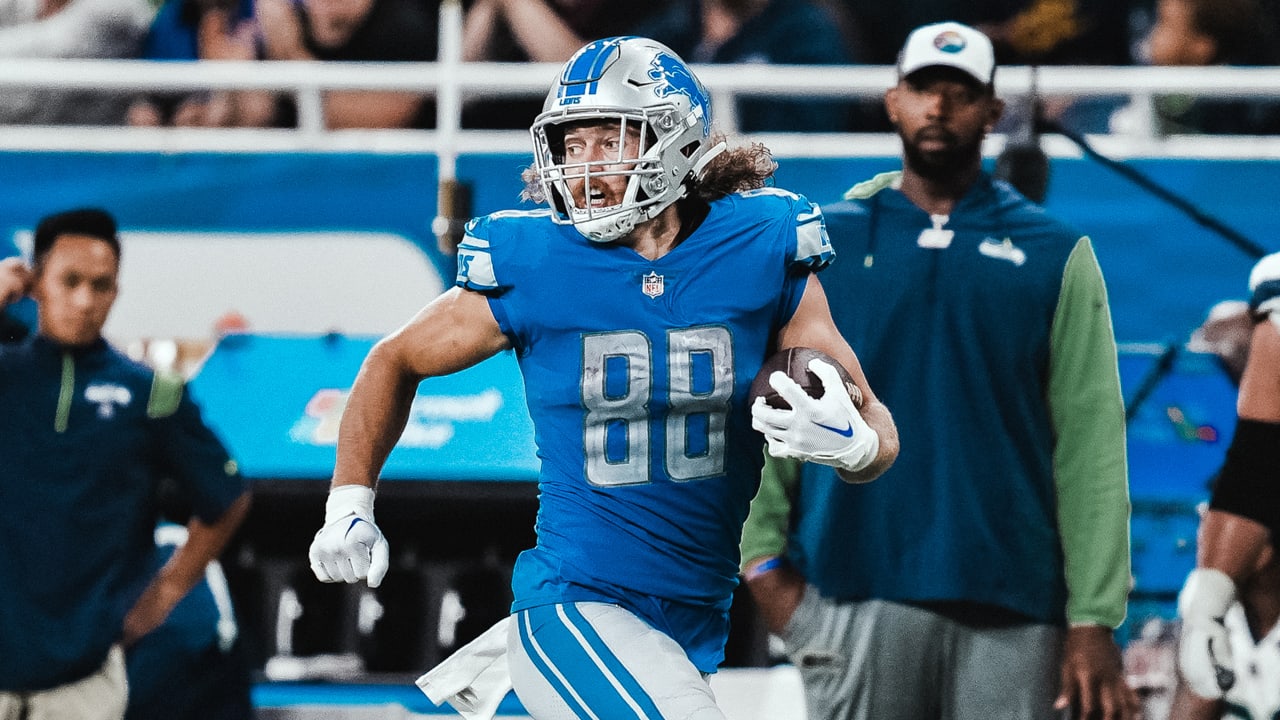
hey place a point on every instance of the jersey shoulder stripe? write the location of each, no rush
(809, 246)
(475, 252)
(813, 245)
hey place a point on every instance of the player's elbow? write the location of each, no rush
(391, 358)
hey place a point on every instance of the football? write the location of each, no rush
(795, 363)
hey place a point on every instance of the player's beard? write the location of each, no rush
(609, 196)
(958, 154)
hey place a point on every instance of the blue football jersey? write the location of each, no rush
(636, 373)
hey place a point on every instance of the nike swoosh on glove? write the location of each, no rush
(350, 547)
(1204, 649)
(827, 430)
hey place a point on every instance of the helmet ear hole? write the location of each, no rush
(655, 185)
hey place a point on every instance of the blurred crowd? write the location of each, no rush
(807, 32)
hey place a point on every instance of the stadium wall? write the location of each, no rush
(1163, 270)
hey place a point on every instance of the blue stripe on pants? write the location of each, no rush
(534, 652)
(578, 663)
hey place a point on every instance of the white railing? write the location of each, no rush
(307, 81)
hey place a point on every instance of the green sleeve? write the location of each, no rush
(166, 394)
(768, 523)
(1089, 464)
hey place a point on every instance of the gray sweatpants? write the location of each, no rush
(101, 696)
(878, 660)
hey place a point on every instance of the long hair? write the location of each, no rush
(745, 167)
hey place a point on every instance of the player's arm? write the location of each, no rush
(776, 587)
(453, 332)
(1230, 544)
(811, 326)
(1246, 501)
(1244, 512)
(1239, 527)
(1247, 485)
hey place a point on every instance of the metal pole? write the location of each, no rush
(447, 225)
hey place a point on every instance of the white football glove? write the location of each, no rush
(1204, 650)
(350, 547)
(828, 430)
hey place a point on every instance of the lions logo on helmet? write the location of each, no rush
(676, 78)
(627, 82)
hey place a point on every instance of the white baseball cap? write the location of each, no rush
(949, 44)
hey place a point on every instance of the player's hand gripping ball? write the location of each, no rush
(807, 407)
(794, 363)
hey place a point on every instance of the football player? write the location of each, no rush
(640, 305)
(1230, 661)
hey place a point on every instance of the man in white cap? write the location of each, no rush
(984, 576)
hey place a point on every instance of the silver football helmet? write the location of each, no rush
(642, 88)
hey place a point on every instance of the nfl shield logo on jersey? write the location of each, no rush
(651, 284)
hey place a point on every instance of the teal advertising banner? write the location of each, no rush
(276, 401)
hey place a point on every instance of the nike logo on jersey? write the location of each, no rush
(1005, 250)
(842, 432)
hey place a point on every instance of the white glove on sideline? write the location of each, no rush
(350, 547)
(828, 430)
(1204, 650)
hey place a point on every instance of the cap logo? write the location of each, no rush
(949, 41)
